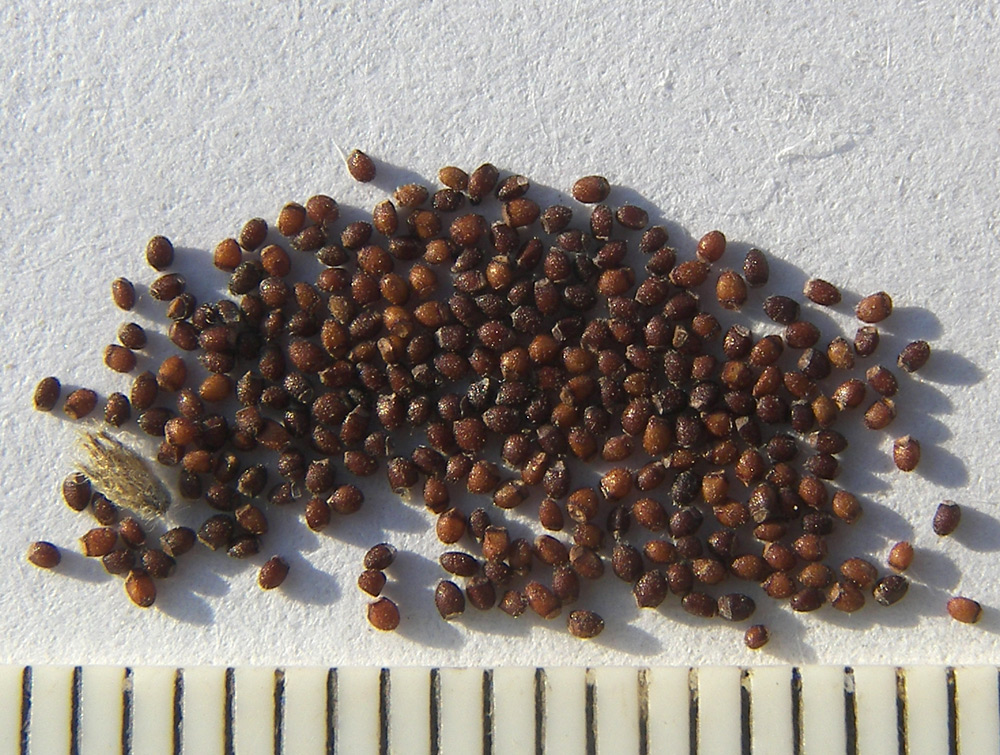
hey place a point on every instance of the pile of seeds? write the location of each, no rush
(505, 342)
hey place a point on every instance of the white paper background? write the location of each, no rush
(856, 142)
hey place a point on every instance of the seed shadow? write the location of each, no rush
(787, 632)
(183, 604)
(307, 584)
(934, 569)
(950, 368)
(990, 620)
(910, 323)
(389, 176)
(77, 566)
(414, 592)
(978, 531)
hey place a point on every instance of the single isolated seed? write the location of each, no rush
(380, 556)
(874, 308)
(585, 624)
(159, 253)
(756, 636)
(449, 600)
(890, 589)
(47, 394)
(123, 293)
(140, 588)
(591, 189)
(360, 166)
(821, 292)
(946, 518)
(900, 556)
(965, 610)
(43, 554)
(906, 453)
(914, 356)
(272, 573)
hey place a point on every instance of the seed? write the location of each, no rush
(914, 356)
(781, 309)
(140, 588)
(880, 414)
(449, 600)
(272, 573)
(380, 556)
(216, 531)
(98, 541)
(542, 600)
(157, 564)
(906, 453)
(690, 274)
(736, 607)
(317, 514)
(849, 394)
(779, 586)
(711, 247)
(874, 308)
(591, 189)
(383, 614)
(881, 380)
(650, 589)
(76, 491)
(131, 532)
(965, 610)
(123, 293)
(900, 556)
(866, 341)
(845, 596)
(845, 506)
(632, 217)
(821, 292)
(890, 589)
(481, 593)
(177, 541)
(756, 636)
(731, 290)
(360, 166)
(946, 518)
(167, 287)
(454, 178)
(104, 511)
(80, 403)
(118, 561)
(346, 499)
(519, 213)
(701, 605)
(585, 624)
(47, 394)
(806, 599)
(43, 554)
(243, 546)
(371, 581)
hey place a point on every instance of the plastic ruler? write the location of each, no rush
(302, 710)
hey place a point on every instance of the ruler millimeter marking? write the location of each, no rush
(250, 710)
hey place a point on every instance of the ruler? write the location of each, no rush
(301, 710)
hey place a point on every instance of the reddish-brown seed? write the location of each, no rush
(890, 590)
(272, 573)
(946, 518)
(914, 356)
(177, 541)
(453, 178)
(965, 610)
(756, 636)
(371, 581)
(449, 600)
(76, 491)
(900, 556)
(860, 572)
(360, 166)
(845, 596)
(880, 414)
(47, 394)
(159, 252)
(874, 308)
(171, 375)
(380, 556)
(44, 554)
(227, 255)
(542, 600)
(585, 624)
(383, 614)
(906, 453)
(80, 403)
(846, 506)
(140, 588)
(821, 292)
(591, 189)
(123, 293)
(731, 290)
(711, 247)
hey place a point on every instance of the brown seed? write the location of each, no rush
(380, 556)
(874, 308)
(900, 556)
(914, 356)
(585, 624)
(520, 213)
(131, 532)
(140, 588)
(846, 506)
(701, 605)
(756, 636)
(881, 380)
(156, 563)
(866, 341)
(167, 287)
(650, 589)
(839, 353)
(779, 586)
(906, 453)
(454, 178)
(80, 403)
(711, 247)
(272, 573)
(542, 600)
(736, 607)
(890, 589)
(177, 541)
(132, 336)
(860, 572)
(781, 309)
(216, 531)
(632, 217)
(159, 252)
(76, 491)
(481, 593)
(880, 414)
(821, 292)
(591, 189)
(371, 581)
(99, 541)
(946, 518)
(227, 255)
(243, 546)
(965, 610)
(47, 394)
(360, 166)
(104, 511)
(383, 614)
(123, 293)
(755, 268)
(118, 561)
(171, 375)
(449, 600)
(846, 597)
(43, 554)
(806, 599)
(731, 290)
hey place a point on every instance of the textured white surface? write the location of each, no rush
(856, 143)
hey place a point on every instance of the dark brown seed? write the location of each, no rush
(371, 581)
(383, 614)
(360, 166)
(244, 546)
(866, 341)
(131, 336)
(118, 561)
(167, 287)
(519, 213)
(131, 532)
(159, 252)
(946, 518)
(821, 292)
(890, 589)
(177, 541)
(585, 624)
(459, 563)
(632, 217)
(845, 596)
(156, 563)
(346, 499)
(542, 600)
(272, 573)
(900, 556)
(755, 268)
(650, 589)
(123, 293)
(104, 511)
(880, 414)
(736, 607)
(449, 600)
(47, 394)
(711, 247)
(140, 588)
(779, 586)
(80, 403)
(906, 453)
(807, 599)
(882, 381)
(874, 308)
(43, 554)
(965, 610)
(217, 531)
(481, 593)
(591, 189)
(756, 636)
(781, 309)
(914, 356)
(76, 491)
(701, 605)
(860, 572)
